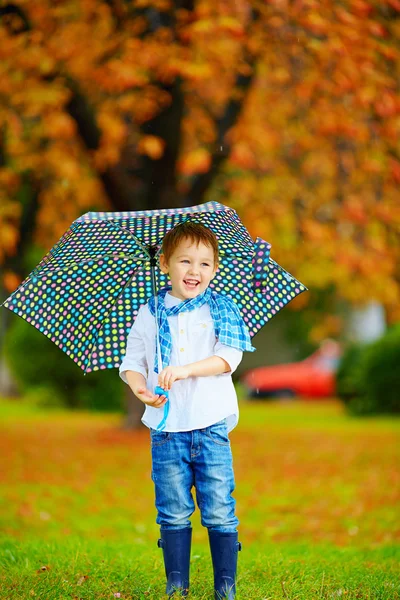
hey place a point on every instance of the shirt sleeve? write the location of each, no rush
(135, 355)
(233, 356)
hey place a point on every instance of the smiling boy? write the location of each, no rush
(202, 341)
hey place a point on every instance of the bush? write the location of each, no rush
(381, 373)
(348, 375)
(44, 396)
(50, 378)
(368, 379)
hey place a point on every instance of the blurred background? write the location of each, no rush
(288, 112)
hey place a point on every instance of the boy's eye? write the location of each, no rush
(184, 260)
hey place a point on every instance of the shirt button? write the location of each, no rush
(182, 349)
(181, 330)
(204, 325)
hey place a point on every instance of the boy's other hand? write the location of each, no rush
(170, 374)
(147, 397)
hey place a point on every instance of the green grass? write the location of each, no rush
(78, 568)
(317, 498)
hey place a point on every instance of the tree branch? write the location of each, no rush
(202, 182)
(139, 182)
(221, 150)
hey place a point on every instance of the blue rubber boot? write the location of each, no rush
(176, 545)
(224, 552)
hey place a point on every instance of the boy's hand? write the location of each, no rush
(170, 374)
(147, 397)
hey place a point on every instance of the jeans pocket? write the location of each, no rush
(218, 433)
(158, 438)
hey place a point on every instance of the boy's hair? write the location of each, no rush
(196, 232)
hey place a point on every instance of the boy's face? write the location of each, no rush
(190, 268)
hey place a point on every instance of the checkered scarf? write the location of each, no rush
(230, 329)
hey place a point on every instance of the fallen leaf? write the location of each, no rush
(43, 568)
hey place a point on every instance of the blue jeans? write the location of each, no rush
(201, 458)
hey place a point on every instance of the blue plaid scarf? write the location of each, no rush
(230, 329)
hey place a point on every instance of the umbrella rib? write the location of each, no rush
(126, 256)
(139, 243)
(145, 249)
(55, 250)
(60, 244)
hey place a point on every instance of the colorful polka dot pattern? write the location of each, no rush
(151, 226)
(86, 292)
(261, 265)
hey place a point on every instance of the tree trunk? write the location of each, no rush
(134, 410)
(8, 387)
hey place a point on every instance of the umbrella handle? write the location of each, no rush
(160, 391)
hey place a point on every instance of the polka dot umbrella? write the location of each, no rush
(86, 292)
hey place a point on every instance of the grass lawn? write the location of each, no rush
(317, 496)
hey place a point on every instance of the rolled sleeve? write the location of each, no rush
(135, 355)
(232, 356)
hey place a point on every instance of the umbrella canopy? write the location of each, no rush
(86, 292)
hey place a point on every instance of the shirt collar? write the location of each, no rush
(171, 300)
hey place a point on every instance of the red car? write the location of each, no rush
(313, 377)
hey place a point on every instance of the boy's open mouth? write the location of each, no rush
(191, 283)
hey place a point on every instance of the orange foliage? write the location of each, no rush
(313, 162)
(152, 146)
(197, 161)
(79, 468)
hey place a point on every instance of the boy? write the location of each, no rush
(190, 443)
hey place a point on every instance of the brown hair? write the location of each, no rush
(196, 232)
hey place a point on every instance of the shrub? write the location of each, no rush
(368, 379)
(40, 367)
(348, 375)
(381, 374)
(44, 396)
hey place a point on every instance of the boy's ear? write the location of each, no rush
(163, 264)
(215, 270)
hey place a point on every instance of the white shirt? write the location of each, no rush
(195, 402)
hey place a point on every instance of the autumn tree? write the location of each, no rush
(289, 111)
